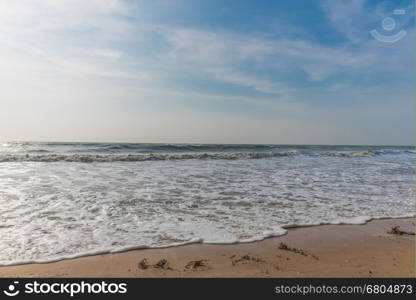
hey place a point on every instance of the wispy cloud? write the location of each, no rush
(345, 15)
(211, 51)
(106, 53)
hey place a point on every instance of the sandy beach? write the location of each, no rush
(317, 251)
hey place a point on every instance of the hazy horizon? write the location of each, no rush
(235, 72)
(197, 143)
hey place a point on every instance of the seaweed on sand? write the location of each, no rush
(396, 230)
(300, 251)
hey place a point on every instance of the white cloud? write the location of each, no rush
(354, 19)
(63, 14)
(346, 15)
(247, 80)
(106, 53)
(221, 55)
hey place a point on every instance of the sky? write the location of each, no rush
(218, 71)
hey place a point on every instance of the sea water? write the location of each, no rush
(62, 200)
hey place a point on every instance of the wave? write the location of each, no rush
(145, 145)
(279, 231)
(351, 153)
(138, 157)
(45, 156)
(171, 148)
(369, 153)
(394, 151)
(148, 148)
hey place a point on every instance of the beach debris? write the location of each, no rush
(162, 264)
(396, 230)
(143, 264)
(196, 264)
(300, 251)
(246, 258)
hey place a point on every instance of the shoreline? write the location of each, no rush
(361, 221)
(343, 250)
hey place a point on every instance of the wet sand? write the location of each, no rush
(317, 251)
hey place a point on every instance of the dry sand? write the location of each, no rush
(322, 251)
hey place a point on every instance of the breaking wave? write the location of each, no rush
(138, 157)
(351, 153)
(44, 156)
(369, 153)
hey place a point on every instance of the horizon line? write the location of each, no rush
(203, 143)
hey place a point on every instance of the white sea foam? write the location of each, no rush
(280, 232)
(351, 153)
(138, 157)
(67, 208)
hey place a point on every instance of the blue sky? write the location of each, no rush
(304, 72)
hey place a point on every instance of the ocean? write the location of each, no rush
(64, 200)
